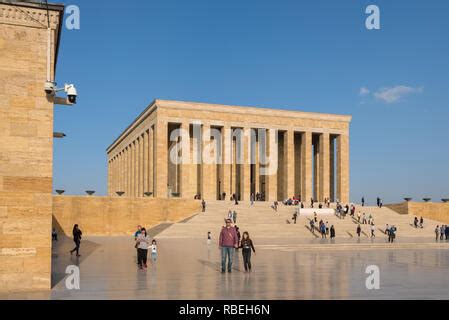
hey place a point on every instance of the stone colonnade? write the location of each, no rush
(229, 159)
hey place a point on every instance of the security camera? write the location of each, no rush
(49, 87)
(71, 92)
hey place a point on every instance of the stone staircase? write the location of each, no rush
(261, 221)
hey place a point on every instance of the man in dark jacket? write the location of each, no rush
(228, 241)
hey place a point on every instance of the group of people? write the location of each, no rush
(143, 243)
(419, 223)
(442, 232)
(232, 215)
(390, 231)
(229, 241)
(323, 227)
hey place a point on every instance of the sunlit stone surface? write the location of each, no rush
(282, 269)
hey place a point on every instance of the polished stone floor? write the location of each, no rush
(282, 269)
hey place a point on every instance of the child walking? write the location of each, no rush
(153, 250)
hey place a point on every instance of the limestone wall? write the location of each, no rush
(438, 211)
(117, 215)
(26, 148)
(400, 208)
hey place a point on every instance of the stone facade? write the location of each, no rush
(310, 152)
(26, 147)
(117, 216)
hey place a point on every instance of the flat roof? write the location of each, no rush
(201, 106)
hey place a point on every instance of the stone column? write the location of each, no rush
(112, 174)
(332, 168)
(306, 164)
(188, 186)
(161, 159)
(121, 171)
(207, 176)
(151, 158)
(142, 164)
(131, 171)
(233, 185)
(289, 158)
(256, 163)
(128, 171)
(343, 168)
(226, 160)
(245, 176)
(316, 167)
(271, 178)
(145, 161)
(324, 167)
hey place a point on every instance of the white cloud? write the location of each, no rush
(396, 93)
(363, 91)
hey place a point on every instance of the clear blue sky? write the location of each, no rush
(300, 55)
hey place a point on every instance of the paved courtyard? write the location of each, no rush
(283, 269)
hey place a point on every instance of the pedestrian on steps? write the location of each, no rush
(359, 230)
(203, 205)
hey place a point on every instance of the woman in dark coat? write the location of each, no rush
(332, 232)
(77, 239)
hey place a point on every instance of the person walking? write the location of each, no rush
(387, 230)
(143, 241)
(295, 215)
(247, 245)
(378, 201)
(364, 218)
(372, 230)
(153, 250)
(332, 231)
(54, 235)
(237, 230)
(227, 242)
(252, 198)
(203, 205)
(437, 232)
(363, 201)
(209, 238)
(359, 230)
(315, 217)
(136, 234)
(415, 222)
(234, 216)
(77, 239)
(421, 223)
(323, 230)
(392, 234)
(442, 230)
(312, 226)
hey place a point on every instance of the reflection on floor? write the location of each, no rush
(282, 269)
